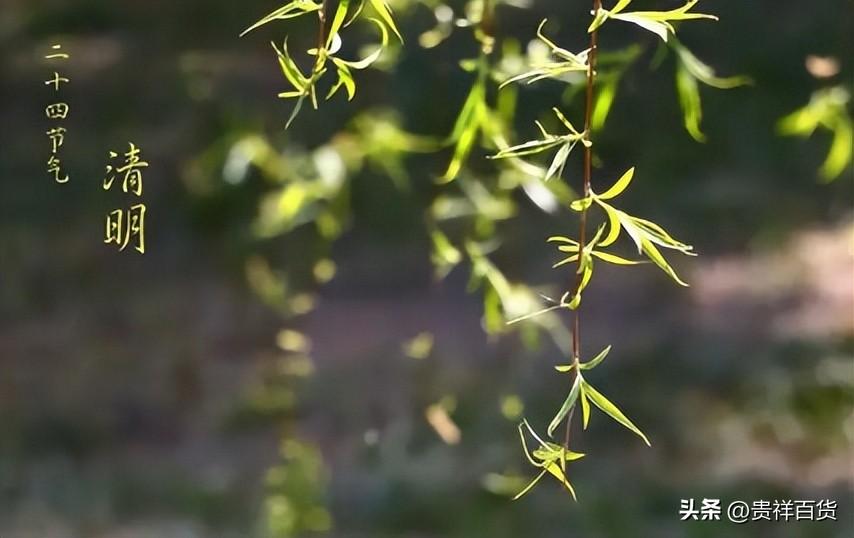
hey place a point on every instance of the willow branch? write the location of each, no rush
(321, 31)
(582, 233)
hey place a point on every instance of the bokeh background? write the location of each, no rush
(268, 367)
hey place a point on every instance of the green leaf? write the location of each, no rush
(528, 148)
(559, 161)
(612, 410)
(581, 204)
(384, 12)
(657, 22)
(585, 406)
(656, 257)
(290, 10)
(840, 152)
(445, 255)
(828, 110)
(564, 62)
(530, 485)
(613, 225)
(612, 258)
(619, 186)
(549, 452)
(466, 128)
(289, 68)
(604, 100)
(689, 101)
(571, 259)
(592, 363)
(337, 21)
(705, 73)
(374, 56)
(657, 27)
(558, 473)
(620, 6)
(658, 235)
(552, 459)
(345, 79)
(567, 405)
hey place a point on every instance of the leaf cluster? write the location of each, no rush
(827, 110)
(304, 85)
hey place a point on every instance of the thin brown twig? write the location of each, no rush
(582, 233)
(321, 33)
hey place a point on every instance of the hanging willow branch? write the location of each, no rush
(648, 237)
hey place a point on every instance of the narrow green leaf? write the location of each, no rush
(604, 101)
(581, 204)
(656, 257)
(374, 56)
(620, 6)
(289, 67)
(585, 406)
(337, 20)
(612, 410)
(634, 232)
(345, 79)
(561, 239)
(619, 186)
(840, 152)
(567, 405)
(565, 261)
(616, 260)
(290, 10)
(592, 363)
(703, 72)
(659, 235)
(559, 161)
(613, 225)
(689, 101)
(461, 151)
(658, 28)
(558, 473)
(384, 12)
(530, 485)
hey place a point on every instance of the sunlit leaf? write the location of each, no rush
(653, 254)
(613, 258)
(689, 100)
(550, 457)
(290, 10)
(613, 225)
(563, 62)
(705, 73)
(612, 410)
(345, 80)
(290, 68)
(567, 405)
(337, 22)
(585, 406)
(384, 12)
(374, 56)
(592, 363)
(828, 110)
(466, 128)
(604, 99)
(620, 185)
(839, 155)
(657, 22)
(445, 255)
(559, 161)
